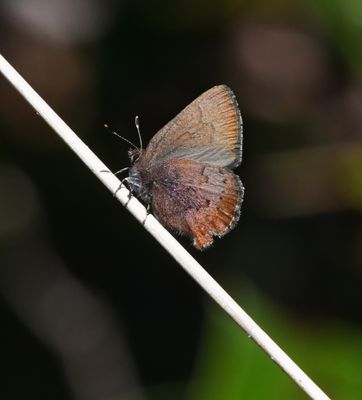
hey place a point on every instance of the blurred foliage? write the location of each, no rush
(342, 20)
(230, 365)
(351, 178)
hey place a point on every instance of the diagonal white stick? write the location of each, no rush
(190, 265)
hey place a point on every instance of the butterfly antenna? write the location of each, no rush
(118, 135)
(137, 123)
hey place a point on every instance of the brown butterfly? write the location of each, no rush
(185, 173)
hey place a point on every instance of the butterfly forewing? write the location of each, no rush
(207, 130)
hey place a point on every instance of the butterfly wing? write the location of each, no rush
(207, 130)
(195, 198)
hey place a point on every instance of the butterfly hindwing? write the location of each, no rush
(199, 199)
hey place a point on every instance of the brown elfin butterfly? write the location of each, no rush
(185, 173)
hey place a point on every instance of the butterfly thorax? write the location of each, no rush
(140, 182)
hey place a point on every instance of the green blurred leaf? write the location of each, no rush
(344, 21)
(231, 366)
(350, 176)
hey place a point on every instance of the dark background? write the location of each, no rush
(91, 307)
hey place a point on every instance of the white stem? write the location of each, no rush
(190, 265)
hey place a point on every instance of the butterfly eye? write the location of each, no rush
(133, 155)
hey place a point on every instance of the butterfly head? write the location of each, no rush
(134, 154)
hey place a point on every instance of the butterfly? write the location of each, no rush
(185, 176)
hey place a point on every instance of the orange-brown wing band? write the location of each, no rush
(221, 216)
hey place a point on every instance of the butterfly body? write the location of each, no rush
(185, 171)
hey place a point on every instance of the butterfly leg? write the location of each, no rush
(130, 194)
(114, 173)
(148, 212)
(119, 188)
(121, 170)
